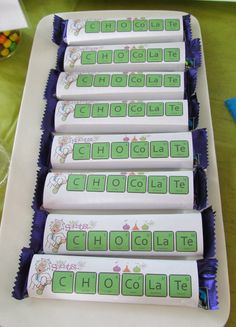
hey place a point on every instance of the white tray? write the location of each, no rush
(17, 214)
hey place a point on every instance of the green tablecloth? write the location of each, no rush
(218, 24)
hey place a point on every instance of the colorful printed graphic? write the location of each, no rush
(56, 238)
(41, 278)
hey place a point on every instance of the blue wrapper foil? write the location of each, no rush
(39, 187)
(60, 57)
(200, 189)
(209, 235)
(200, 147)
(193, 112)
(50, 90)
(20, 288)
(60, 29)
(45, 149)
(208, 295)
(37, 230)
(193, 53)
(190, 82)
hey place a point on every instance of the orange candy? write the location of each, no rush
(7, 43)
(5, 52)
(2, 38)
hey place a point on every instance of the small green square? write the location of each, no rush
(101, 80)
(96, 183)
(174, 109)
(85, 282)
(76, 240)
(120, 150)
(156, 285)
(163, 241)
(139, 149)
(104, 56)
(108, 26)
(132, 284)
(141, 241)
(155, 109)
(159, 149)
(119, 241)
(156, 25)
(116, 183)
(179, 184)
(119, 80)
(137, 184)
(140, 25)
(180, 286)
(84, 80)
(121, 56)
(172, 80)
(138, 55)
(100, 110)
(186, 241)
(62, 282)
(172, 24)
(81, 151)
(82, 110)
(118, 109)
(172, 54)
(154, 80)
(154, 55)
(76, 182)
(92, 26)
(100, 150)
(157, 184)
(136, 109)
(97, 241)
(88, 57)
(179, 149)
(124, 25)
(109, 284)
(136, 80)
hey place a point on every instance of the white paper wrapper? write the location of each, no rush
(120, 86)
(165, 282)
(119, 190)
(126, 58)
(157, 28)
(127, 151)
(125, 235)
(121, 116)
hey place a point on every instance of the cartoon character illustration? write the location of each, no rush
(72, 56)
(56, 238)
(65, 109)
(63, 149)
(68, 79)
(41, 278)
(77, 26)
(56, 181)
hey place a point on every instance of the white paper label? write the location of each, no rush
(165, 282)
(126, 58)
(121, 116)
(157, 28)
(119, 190)
(124, 235)
(120, 86)
(127, 151)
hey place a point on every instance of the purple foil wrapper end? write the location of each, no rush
(48, 116)
(59, 29)
(45, 150)
(193, 53)
(209, 235)
(193, 112)
(200, 189)
(20, 288)
(39, 187)
(190, 82)
(50, 90)
(37, 230)
(200, 148)
(187, 28)
(60, 57)
(208, 295)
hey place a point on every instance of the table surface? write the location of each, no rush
(217, 22)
